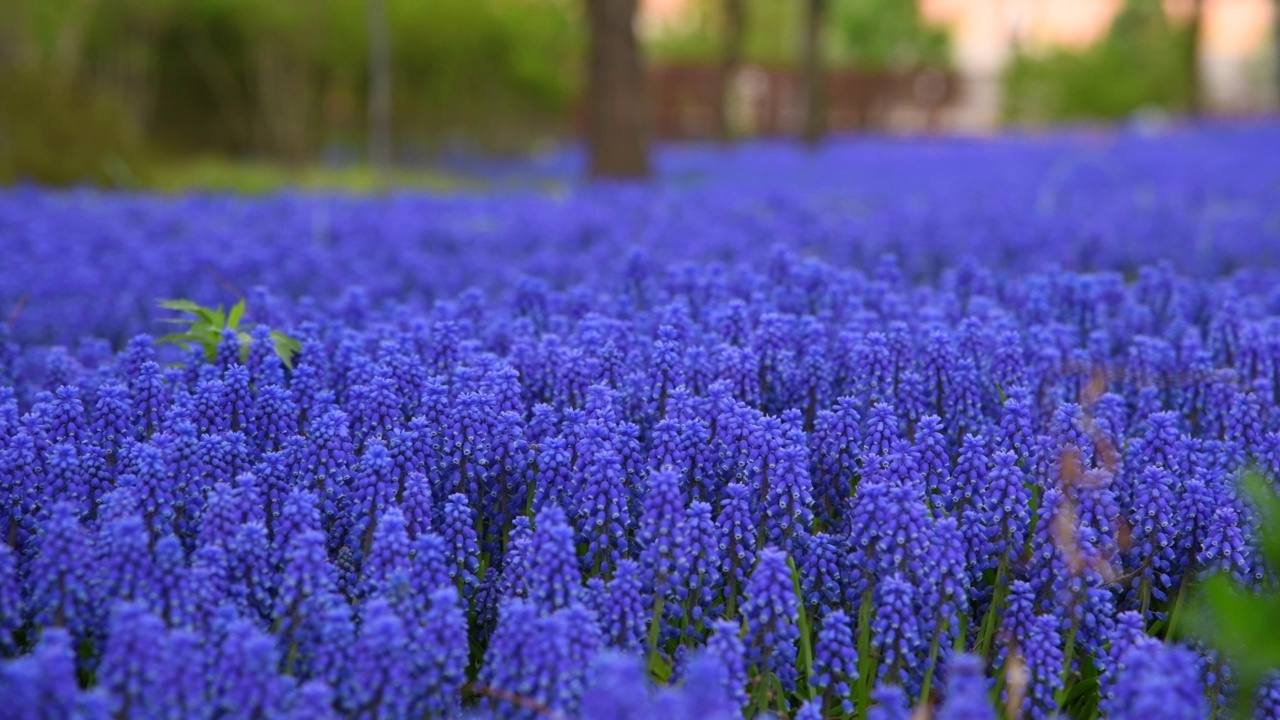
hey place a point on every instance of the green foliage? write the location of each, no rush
(277, 80)
(205, 327)
(491, 68)
(61, 133)
(223, 175)
(771, 35)
(868, 34)
(1141, 63)
(889, 34)
(1241, 622)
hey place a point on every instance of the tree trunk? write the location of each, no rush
(1196, 99)
(69, 42)
(813, 78)
(286, 85)
(379, 85)
(617, 111)
(237, 111)
(735, 31)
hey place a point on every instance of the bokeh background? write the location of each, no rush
(251, 95)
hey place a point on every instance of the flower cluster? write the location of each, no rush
(1202, 199)
(703, 491)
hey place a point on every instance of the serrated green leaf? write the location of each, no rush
(237, 312)
(207, 326)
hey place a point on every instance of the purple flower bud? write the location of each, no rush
(771, 608)
(835, 660)
(966, 692)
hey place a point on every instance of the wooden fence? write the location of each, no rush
(765, 100)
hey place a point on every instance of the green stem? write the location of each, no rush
(933, 660)
(866, 663)
(655, 622)
(781, 697)
(802, 622)
(1177, 610)
(987, 634)
(686, 612)
(1146, 597)
(1067, 656)
(528, 497)
(291, 657)
(760, 698)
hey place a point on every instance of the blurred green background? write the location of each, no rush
(254, 94)
(1141, 63)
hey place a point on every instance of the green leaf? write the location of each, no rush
(659, 668)
(1082, 700)
(1078, 690)
(286, 347)
(237, 312)
(181, 305)
(177, 339)
(208, 325)
(1264, 496)
(215, 318)
(205, 335)
(802, 622)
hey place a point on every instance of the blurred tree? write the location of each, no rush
(58, 134)
(282, 56)
(888, 34)
(65, 24)
(1143, 61)
(120, 57)
(735, 35)
(379, 85)
(204, 98)
(168, 82)
(499, 74)
(1195, 28)
(771, 33)
(812, 73)
(56, 125)
(617, 110)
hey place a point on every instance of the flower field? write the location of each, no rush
(900, 429)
